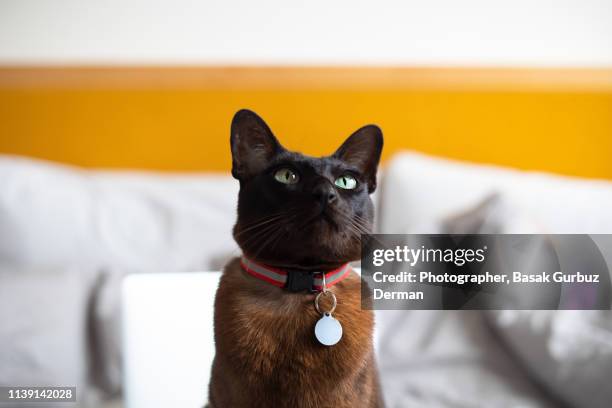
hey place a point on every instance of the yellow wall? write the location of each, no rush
(178, 118)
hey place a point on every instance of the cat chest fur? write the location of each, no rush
(265, 336)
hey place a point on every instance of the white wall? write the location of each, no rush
(426, 32)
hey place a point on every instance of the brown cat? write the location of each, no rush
(299, 217)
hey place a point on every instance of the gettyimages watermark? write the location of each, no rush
(486, 271)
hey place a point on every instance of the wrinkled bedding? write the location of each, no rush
(436, 358)
(84, 230)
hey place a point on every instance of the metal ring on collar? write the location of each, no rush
(334, 302)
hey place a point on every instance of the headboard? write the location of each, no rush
(177, 118)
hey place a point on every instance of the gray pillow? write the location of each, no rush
(569, 352)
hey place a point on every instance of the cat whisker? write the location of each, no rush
(263, 221)
(274, 235)
(264, 218)
(359, 226)
(260, 233)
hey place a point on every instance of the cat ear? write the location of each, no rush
(253, 144)
(362, 149)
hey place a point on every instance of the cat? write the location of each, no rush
(297, 216)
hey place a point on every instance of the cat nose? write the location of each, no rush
(324, 193)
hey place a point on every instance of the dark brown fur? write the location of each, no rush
(267, 355)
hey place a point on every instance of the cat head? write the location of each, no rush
(299, 211)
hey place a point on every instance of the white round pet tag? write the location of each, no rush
(328, 330)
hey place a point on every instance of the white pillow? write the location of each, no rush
(136, 221)
(43, 330)
(418, 191)
(570, 352)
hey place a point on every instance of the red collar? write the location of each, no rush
(295, 280)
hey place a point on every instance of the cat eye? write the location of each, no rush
(286, 176)
(346, 182)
